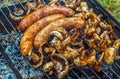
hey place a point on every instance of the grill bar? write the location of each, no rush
(114, 72)
(21, 5)
(106, 74)
(95, 73)
(85, 74)
(7, 7)
(117, 65)
(32, 68)
(43, 1)
(44, 73)
(8, 33)
(13, 4)
(76, 74)
(8, 20)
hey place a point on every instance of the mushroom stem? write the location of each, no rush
(101, 57)
(34, 57)
(117, 58)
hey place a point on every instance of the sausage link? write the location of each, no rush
(43, 36)
(43, 12)
(31, 32)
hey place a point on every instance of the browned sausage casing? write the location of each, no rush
(31, 32)
(43, 36)
(43, 12)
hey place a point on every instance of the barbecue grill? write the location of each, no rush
(19, 66)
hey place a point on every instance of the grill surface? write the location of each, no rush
(9, 47)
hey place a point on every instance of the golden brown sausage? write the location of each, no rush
(43, 36)
(43, 12)
(30, 33)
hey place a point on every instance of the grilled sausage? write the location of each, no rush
(30, 33)
(43, 12)
(43, 36)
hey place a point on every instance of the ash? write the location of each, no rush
(10, 43)
(5, 71)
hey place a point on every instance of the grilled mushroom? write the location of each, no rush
(80, 62)
(72, 3)
(93, 19)
(70, 53)
(88, 60)
(38, 59)
(62, 65)
(54, 3)
(93, 63)
(83, 7)
(17, 15)
(105, 25)
(49, 67)
(110, 54)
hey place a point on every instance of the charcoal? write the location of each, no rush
(24, 75)
(31, 73)
(5, 71)
(10, 76)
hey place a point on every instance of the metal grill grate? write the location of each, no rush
(8, 26)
